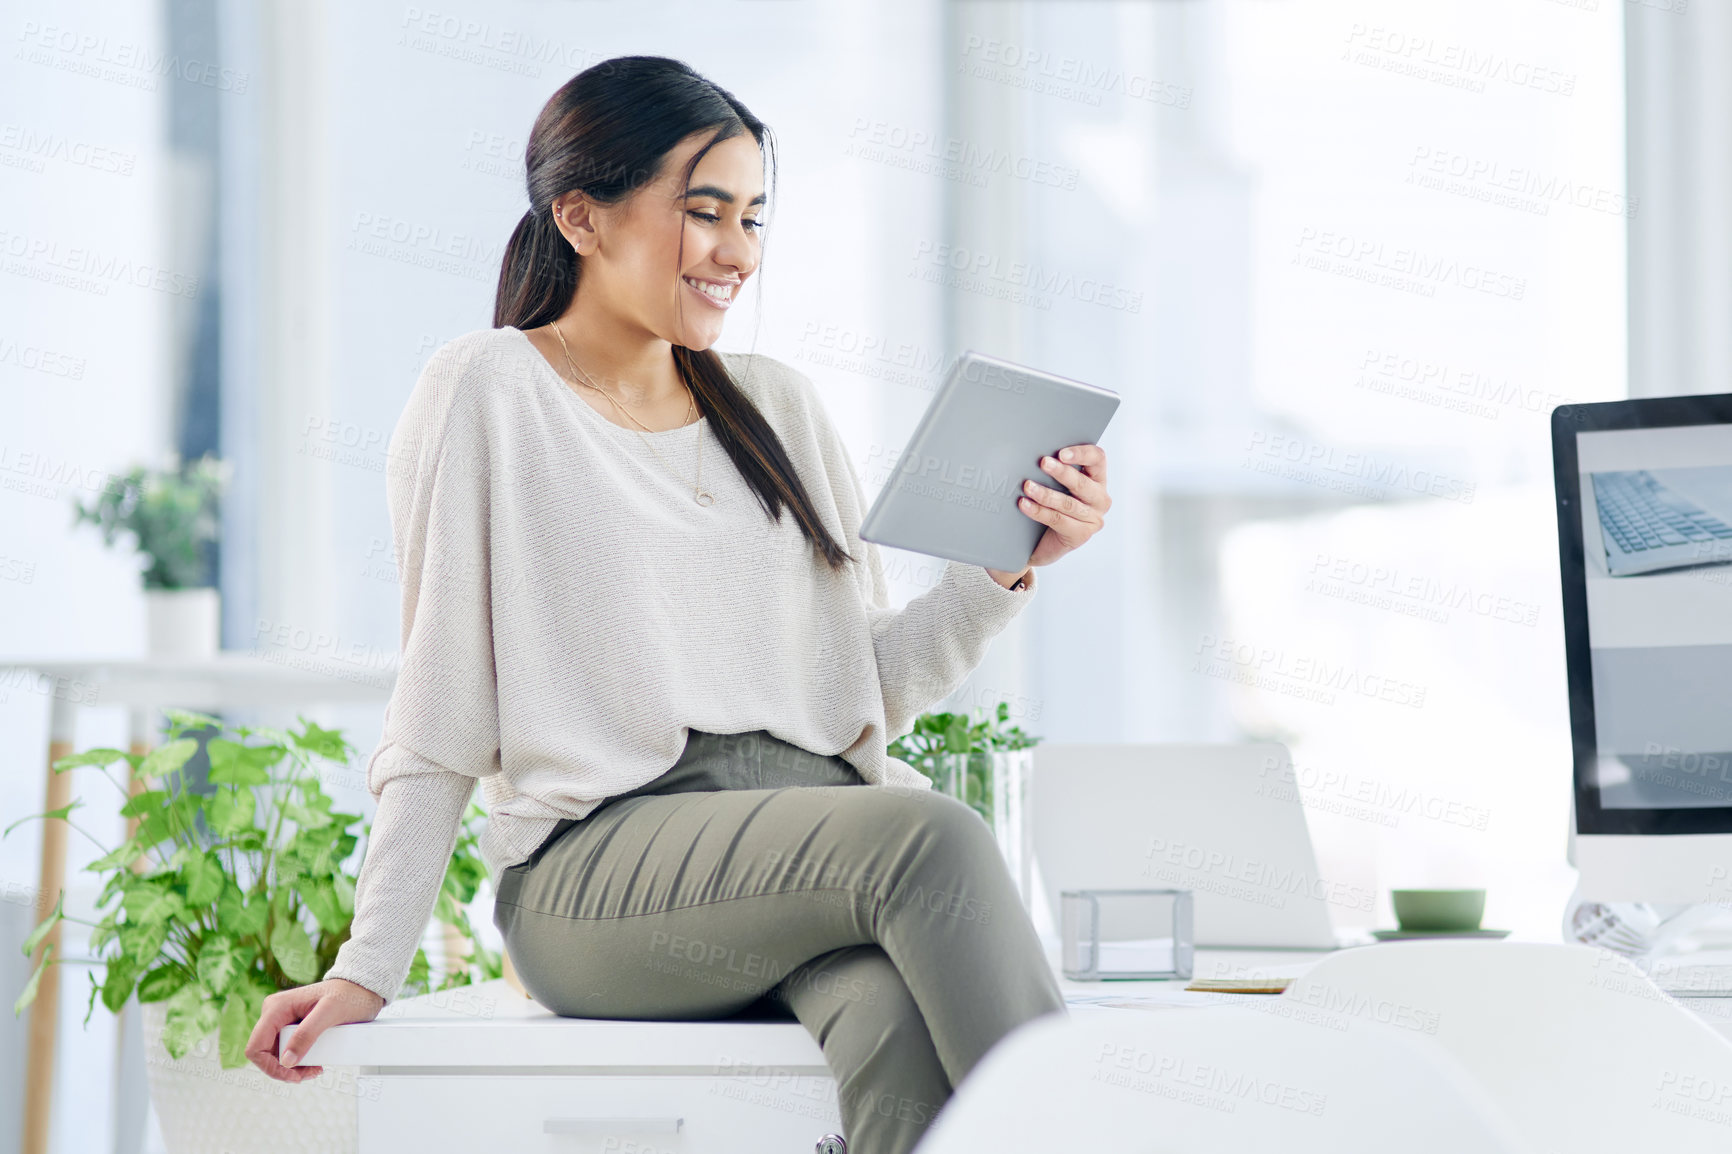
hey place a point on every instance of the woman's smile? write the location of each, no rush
(718, 294)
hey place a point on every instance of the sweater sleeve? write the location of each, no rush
(443, 712)
(408, 850)
(441, 728)
(925, 649)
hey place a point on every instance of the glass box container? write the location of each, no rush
(1126, 934)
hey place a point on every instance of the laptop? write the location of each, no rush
(1223, 821)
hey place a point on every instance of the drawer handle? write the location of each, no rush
(612, 1125)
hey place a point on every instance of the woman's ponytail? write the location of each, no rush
(537, 275)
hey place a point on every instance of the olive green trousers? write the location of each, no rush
(758, 879)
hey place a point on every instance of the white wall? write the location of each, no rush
(1680, 162)
(1410, 648)
(87, 290)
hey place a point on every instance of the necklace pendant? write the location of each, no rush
(703, 497)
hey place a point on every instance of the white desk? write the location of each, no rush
(1717, 1012)
(485, 1068)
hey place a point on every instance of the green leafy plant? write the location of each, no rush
(954, 751)
(212, 922)
(171, 512)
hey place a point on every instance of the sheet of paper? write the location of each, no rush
(1137, 955)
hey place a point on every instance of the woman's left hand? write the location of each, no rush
(1070, 518)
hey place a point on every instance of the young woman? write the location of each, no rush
(637, 608)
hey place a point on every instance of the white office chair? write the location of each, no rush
(1578, 1048)
(1219, 1079)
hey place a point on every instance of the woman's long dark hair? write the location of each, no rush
(606, 133)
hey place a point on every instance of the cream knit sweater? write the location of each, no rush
(569, 612)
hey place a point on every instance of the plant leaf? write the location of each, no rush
(117, 982)
(143, 944)
(275, 734)
(446, 909)
(125, 853)
(145, 802)
(327, 743)
(98, 757)
(178, 816)
(294, 952)
(240, 917)
(162, 982)
(187, 719)
(258, 912)
(224, 754)
(203, 876)
(217, 965)
(232, 763)
(47, 924)
(103, 933)
(230, 810)
(55, 813)
(344, 887)
(180, 1027)
(167, 758)
(147, 905)
(289, 867)
(29, 994)
(236, 1027)
(419, 971)
(309, 817)
(320, 896)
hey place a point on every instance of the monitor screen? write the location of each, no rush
(1651, 635)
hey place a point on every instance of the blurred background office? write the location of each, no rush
(1340, 257)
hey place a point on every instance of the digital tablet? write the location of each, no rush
(952, 492)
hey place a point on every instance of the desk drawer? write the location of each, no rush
(749, 1112)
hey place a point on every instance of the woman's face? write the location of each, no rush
(673, 257)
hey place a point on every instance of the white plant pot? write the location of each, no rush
(205, 1109)
(182, 623)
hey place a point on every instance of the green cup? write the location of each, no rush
(1438, 911)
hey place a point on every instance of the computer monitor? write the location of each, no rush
(1644, 502)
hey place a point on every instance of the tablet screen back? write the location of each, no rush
(952, 492)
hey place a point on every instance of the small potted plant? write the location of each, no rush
(222, 896)
(987, 764)
(172, 514)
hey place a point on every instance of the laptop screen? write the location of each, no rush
(1645, 529)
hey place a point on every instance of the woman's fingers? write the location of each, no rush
(326, 1012)
(316, 1008)
(1090, 459)
(1053, 501)
(1073, 530)
(1071, 517)
(1081, 486)
(282, 1008)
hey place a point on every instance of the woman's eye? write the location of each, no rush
(749, 222)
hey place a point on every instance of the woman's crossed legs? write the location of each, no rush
(883, 918)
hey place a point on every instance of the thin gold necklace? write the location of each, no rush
(699, 494)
